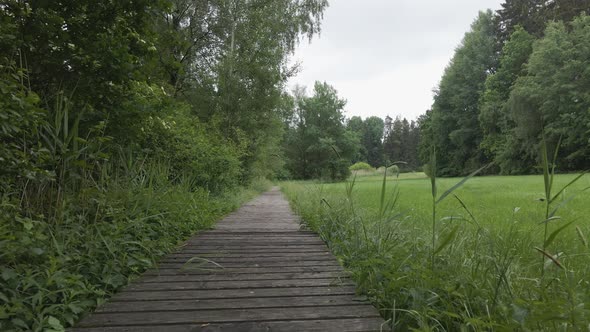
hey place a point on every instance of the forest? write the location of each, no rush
(126, 126)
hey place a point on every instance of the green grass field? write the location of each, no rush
(486, 273)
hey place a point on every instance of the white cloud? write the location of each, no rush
(386, 56)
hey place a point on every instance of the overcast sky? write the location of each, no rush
(385, 56)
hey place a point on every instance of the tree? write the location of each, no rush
(356, 125)
(454, 119)
(533, 15)
(392, 146)
(552, 99)
(528, 14)
(494, 119)
(89, 50)
(318, 144)
(372, 140)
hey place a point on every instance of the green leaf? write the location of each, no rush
(8, 274)
(54, 323)
(546, 175)
(20, 323)
(467, 210)
(567, 200)
(433, 173)
(3, 297)
(567, 185)
(548, 255)
(382, 198)
(551, 218)
(555, 233)
(447, 240)
(460, 183)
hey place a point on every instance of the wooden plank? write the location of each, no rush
(243, 277)
(245, 270)
(291, 263)
(228, 316)
(236, 284)
(247, 254)
(255, 242)
(244, 303)
(319, 325)
(233, 293)
(238, 254)
(244, 259)
(230, 248)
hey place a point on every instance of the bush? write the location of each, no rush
(359, 166)
(393, 169)
(20, 119)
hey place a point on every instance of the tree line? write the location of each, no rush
(196, 83)
(321, 143)
(519, 77)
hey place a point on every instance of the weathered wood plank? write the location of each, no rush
(242, 277)
(238, 254)
(244, 303)
(228, 315)
(242, 259)
(246, 270)
(234, 264)
(236, 284)
(232, 293)
(323, 325)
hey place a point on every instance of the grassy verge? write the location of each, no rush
(56, 270)
(487, 273)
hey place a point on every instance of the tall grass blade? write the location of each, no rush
(550, 219)
(467, 210)
(382, 198)
(566, 186)
(548, 255)
(554, 234)
(460, 183)
(433, 173)
(581, 236)
(447, 240)
(546, 173)
(565, 201)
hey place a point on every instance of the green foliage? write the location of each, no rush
(20, 120)
(359, 166)
(553, 96)
(317, 144)
(126, 126)
(55, 272)
(454, 127)
(534, 82)
(401, 143)
(494, 118)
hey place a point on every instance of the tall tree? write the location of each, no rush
(318, 144)
(494, 119)
(528, 14)
(392, 146)
(454, 123)
(372, 140)
(92, 51)
(553, 99)
(356, 125)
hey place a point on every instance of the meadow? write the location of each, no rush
(494, 263)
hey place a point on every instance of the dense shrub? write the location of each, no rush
(360, 165)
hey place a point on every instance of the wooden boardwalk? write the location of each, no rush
(255, 272)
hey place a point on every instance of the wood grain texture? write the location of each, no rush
(256, 271)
